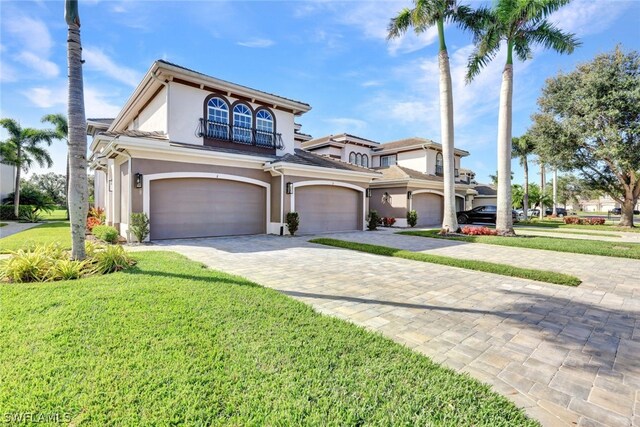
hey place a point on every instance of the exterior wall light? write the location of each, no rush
(409, 195)
(368, 193)
(289, 187)
(110, 186)
(138, 180)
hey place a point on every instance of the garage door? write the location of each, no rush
(429, 207)
(325, 208)
(202, 207)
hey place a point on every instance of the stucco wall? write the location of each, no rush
(7, 180)
(154, 116)
(397, 208)
(348, 148)
(484, 201)
(125, 187)
(329, 151)
(415, 159)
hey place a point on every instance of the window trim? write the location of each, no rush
(439, 168)
(352, 157)
(365, 161)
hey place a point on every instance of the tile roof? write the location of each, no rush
(137, 134)
(485, 190)
(225, 81)
(398, 172)
(105, 121)
(302, 157)
(411, 142)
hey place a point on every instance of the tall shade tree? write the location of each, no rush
(522, 148)
(590, 122)
(22, 149)
(78, 188)
(520, 24)
(424, 15)
(59, 121)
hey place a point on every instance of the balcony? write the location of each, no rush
(225, 135)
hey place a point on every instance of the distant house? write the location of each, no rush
(7, 180)
(604, 203)
(206, 157)
(487, 195)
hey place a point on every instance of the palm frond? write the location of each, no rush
(532, 9)
(472, 20)
(486, 50)
(12, 127)
(36, 136)
(39, 155)
(59, 121)
(551, 37)
(522, 48)
(400, 24)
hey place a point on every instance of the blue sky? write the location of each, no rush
(332, 55)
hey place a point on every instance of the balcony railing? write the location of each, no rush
(439, 170)
(228, 133)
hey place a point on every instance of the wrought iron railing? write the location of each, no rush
(439, 170)
(239, 134)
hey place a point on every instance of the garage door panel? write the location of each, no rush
(328, 208)
(200, 207)
(429, 208)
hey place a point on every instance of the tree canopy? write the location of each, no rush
(590, 122)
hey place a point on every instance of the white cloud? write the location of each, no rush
(345, 124)
(7, 73)
(585, 17)
(97, 60)
(371, 83)
(259, 43)
(45, 67)
(96, 103)
(32, 34)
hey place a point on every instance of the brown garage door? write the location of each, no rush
(324, 208)
(429, 208)
(201, 207)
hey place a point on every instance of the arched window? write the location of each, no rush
(218, 118)
(242, 120)
(358, 159)
(352, 158)
(439, 164)
(264, 128)
(365, 160)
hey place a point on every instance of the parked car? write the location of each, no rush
(618, 211)
(559, 211)
(481, 214)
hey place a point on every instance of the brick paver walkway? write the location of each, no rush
(567, 355)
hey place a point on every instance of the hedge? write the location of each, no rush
(6, 211)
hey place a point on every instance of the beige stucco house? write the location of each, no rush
(206, 157)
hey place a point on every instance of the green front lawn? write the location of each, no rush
(565, 231)
(562, 225)
(55, 215)
(559, 244)
(171, 342)
(469, 264)
(51, 232)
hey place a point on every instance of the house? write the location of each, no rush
(411, 174)
(487, 195)
(206, 157)
(7, 180)
(604, 203)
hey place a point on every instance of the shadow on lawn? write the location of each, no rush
(207, 276)
(604, 337)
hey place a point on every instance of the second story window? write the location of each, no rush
(365, 161)
(386, 161)
(242, 120)
(439, 165)
(352, 158)
(359, 159)
(264, 128)
(218, 118)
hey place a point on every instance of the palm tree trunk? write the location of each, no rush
(66, 184)
(543, 180)
(16, 191)
(449, 220)
(525, 165)
(504, 220)
(78, 194)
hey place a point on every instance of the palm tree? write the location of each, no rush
(520, 24)
(522, 148)
(78, 188)
(22, 149)
(426, 14)
(59, 121)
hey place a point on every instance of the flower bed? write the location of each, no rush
(584, 221)
(478, 231)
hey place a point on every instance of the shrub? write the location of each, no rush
(30, 216)
(293, 222)
(111, 259)
(372, 220)
(478, 231)
(139, 226)
(412, 218)
(6, 211)
(105, 233)
(27, 265)
(32, 195)
(388, 221)
(572, 220)
(92, 222)
(68, 269)
(595, 221)
(95, 212)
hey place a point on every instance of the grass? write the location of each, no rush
(488, 267)
(564, 231)
(2, 224)
(50, 232)
(55, 215)
(558, 244)
(172, 343)
(560, 224)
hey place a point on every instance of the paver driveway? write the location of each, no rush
(567, 355)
